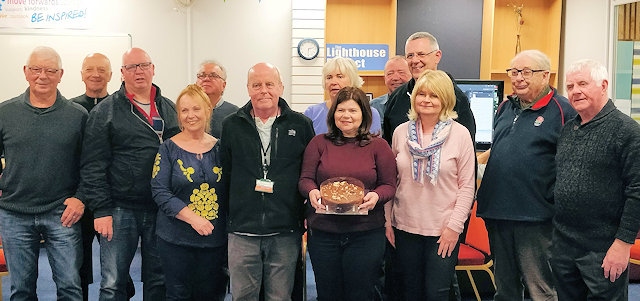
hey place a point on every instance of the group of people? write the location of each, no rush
(214, 193)
(559, 193)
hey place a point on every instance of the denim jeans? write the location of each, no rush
(116, 256)
(267, 260)
(21, 236)
(521, 252)
(425, 274)
(346, 265)
(193, 274)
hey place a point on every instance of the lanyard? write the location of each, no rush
(265, 165)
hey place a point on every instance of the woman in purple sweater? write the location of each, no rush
(346, 250)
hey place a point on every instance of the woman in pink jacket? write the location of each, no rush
(435, 158)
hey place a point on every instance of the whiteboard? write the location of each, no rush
(15, 48)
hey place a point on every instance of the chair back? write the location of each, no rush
(477, 235)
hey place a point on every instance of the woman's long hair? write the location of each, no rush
(335, 134)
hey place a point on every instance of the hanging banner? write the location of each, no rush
(58, 14)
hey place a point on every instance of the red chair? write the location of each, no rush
(634, 257)
(3, 268)
(474, 252)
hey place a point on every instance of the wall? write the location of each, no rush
(585, 34)
(238, 33)
(457, 24)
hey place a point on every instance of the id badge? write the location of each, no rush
(264, 185)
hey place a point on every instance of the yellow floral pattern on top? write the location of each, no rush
(186, 171)
(204, 202)
(218, 171)
(156, 166)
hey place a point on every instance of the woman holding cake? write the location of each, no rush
(436, 164)
(346, 250)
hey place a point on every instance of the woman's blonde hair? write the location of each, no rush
(196, 93)
(440, 84)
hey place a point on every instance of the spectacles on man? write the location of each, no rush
(526, 72)
(35, 70)
(211, 75)
(420, 55)
(132, 67)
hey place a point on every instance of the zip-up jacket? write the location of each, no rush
(520, 175)
(118, 153)
(253, 212)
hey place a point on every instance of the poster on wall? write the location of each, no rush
(368, 57)
(56, 14)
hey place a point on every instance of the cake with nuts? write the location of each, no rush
(342, 191)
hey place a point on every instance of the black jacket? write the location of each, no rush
(256, 212)
(400, 102)
(118, 153)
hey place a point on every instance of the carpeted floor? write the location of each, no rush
(46, 287)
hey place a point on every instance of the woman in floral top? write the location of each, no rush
(187, 186)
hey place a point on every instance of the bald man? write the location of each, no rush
(122, 137)
(262, 146)
(96, 74)
(396, 73)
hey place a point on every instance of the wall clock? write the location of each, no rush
(308, 49)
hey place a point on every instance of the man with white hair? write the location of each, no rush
(597, 191)
(41, 137)
(212, 78)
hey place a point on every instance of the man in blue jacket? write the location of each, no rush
(516, 194)
(121, 141)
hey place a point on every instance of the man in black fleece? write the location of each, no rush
(96, 74)
(422, 52)
(597, 191)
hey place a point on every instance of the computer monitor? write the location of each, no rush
(484, 97)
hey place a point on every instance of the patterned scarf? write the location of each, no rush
(426, 161)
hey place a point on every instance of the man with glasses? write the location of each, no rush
(422, 52)
(121, 141)
(41, 137)
(516, 196)
(212, 78)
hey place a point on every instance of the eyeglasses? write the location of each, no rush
(526, 72)
(211, 75)
(420, 55)
(35, 70)
(258, 86)
(132, 67)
